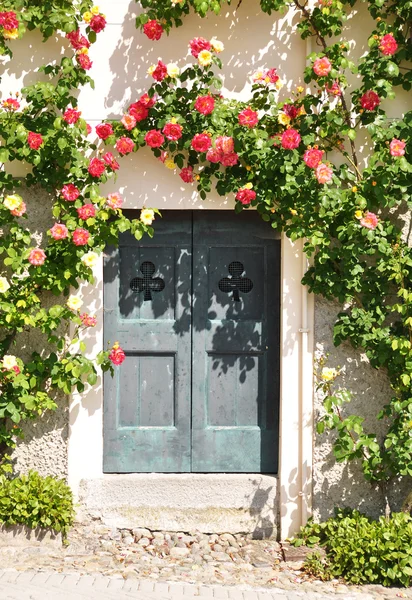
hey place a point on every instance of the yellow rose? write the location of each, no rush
(95, 10)
(283, 119)
(4, 285)
(170, 164)
(83, 51)
(299, 89)
(248, 186)
(329, 374)
(204, 58)
(11, 34)
(74, 303)
(293, 211)
(90, 259)
(13, 202)
(358, 214)
(217, 45)
(151, 70)
(87, 16)
(9, 361)
(279, 84)
(172, 70)
(147, 216)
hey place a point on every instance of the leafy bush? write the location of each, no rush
(361, 550)
(36, 501)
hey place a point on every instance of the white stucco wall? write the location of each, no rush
(121, 58)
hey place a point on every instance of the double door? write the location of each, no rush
(196, 310)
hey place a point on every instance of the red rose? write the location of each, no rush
(160, 71)
(138, 111)
(117, 355)
(199, 44)
(147, 101)
(290, 110)
(205, 104)
(86, 211)
(97, 23)
(70, 192)
(370, 100)
(186, 174)
(388, 45)
(96, 167)
(71, 116)
(80, 236)
(290, 139)
(124, 145)
(272, 75)
(201, 142)
(229, 160)
(245, 196)
(34, 140)
(88, 129)
(313, 157)
(110, 161)
(77, 40)
(84, 61)
(173, 131)
(214, 155)
(153, 30)
(225, 144)
(154, 138)
(8, 20)
(248, 118)
(10, 104)
(104, 130)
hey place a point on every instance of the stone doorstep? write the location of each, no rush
(21, 535)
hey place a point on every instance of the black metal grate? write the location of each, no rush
(236, 282)
(147, 283)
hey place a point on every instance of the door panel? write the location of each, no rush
(235, 381)
(147, 299)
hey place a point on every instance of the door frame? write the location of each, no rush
(296, 394)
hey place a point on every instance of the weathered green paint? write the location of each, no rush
(199, 388)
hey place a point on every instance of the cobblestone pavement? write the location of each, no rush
(104, 563)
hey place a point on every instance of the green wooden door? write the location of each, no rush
(196, 310)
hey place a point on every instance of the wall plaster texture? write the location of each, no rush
(44, 447)
(210, 503)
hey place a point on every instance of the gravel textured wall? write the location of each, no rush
(44, 447)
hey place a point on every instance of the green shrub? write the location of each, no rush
(361, 550)
(36, 501)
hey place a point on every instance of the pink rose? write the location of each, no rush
(333, 89)
(147, 101)
(86, 211)
(322, 66)
(84, 61)
(88, 320)
(230, 160)
(128, 122)
(71, 116)
(70, 192)
(37, 257)
(88, 129)
(225, 144)
(96, 167)
(245, 196)
(153, 30)
(290, 139)
(138, 111)
(154, 138)
(313, 157)
(19, 212)
(248, 118)
(370, 100)
(10, 104)
(205, 104)
(97, 23)
(370, 220)
(323, 173)
(201, 142)
(199, 44)
(104, 130)
(124, 145)
(160, 71)
(77, 40)
(388, 45)
(173, 131)
(59, 231)
(34, 140)
(186, 174)
(397, 147)
(110, 161)
(8, 20)
(114, 200)
(213, 155)
(80, 236)
(117, 355)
